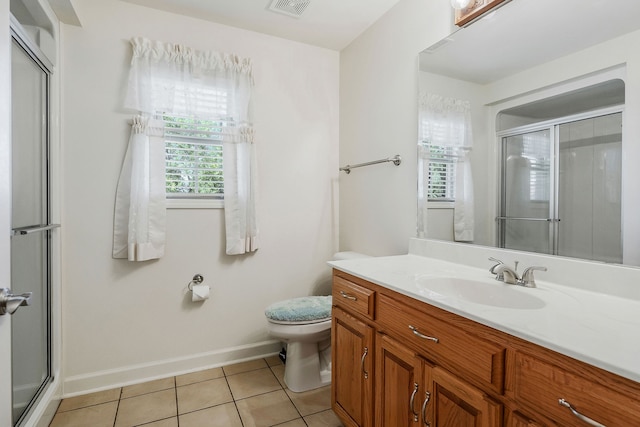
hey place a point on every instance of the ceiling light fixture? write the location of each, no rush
(460, 4)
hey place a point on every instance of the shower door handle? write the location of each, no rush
(9, 302)
(22, 231)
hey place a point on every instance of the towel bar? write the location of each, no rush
(395, 159)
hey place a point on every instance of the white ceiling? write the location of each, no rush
(525, 33)
(332, 24)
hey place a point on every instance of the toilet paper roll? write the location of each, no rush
(199, 292)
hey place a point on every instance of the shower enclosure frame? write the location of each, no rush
(45, 399)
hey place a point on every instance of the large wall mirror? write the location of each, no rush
(529, 137)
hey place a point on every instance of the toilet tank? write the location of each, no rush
(339, 256)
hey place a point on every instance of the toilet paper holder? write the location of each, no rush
(197, 279)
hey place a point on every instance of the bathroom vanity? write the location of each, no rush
(466, 355)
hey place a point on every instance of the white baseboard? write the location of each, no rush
(134, 374)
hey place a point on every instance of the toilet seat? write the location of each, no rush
(302, 322)
(300, 311)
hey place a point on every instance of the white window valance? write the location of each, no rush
(177, 79)
(445, 121)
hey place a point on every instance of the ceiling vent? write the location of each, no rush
(293, 8)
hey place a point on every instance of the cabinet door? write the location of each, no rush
(455, 403)
(514, 419)
(399, 384)
(352, 366)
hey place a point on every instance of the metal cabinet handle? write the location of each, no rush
(418, 334)
(584, 418)
(9, 302)
(347, 296)
(364, 356)
(411, 401)
(427, 398)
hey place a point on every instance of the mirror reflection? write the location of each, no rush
(525, 134)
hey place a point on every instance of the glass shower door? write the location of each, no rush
(526, 212)
(30, 241)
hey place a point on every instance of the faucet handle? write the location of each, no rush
(493, 267)
(527, 276)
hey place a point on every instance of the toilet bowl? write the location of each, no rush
(304, 324)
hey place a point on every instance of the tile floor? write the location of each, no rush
(250, 394)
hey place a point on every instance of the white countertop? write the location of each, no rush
(600, 329)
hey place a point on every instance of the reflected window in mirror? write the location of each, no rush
(441, 174)
(444, 160)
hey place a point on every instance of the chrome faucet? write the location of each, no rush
(509, 275)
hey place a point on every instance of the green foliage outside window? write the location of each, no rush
(193, 157)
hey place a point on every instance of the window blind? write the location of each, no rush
(194, 160)
(442, 173)
(535, 148)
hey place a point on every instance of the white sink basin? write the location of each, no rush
(492, 294)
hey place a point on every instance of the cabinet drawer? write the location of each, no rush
(353, 297)
(451, 347)
(539, 385)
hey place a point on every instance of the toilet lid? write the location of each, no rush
(304, 309)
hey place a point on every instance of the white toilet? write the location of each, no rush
(305, 325)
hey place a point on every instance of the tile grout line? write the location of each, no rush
(175, 391)
(235, 405)
(117, 408)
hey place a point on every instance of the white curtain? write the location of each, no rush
(446, 122)
(139, 224)
(173, 79)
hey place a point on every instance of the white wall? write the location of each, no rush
(378, 119)
(126, 322)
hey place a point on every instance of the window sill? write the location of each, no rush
(440, 205)
(195, 204)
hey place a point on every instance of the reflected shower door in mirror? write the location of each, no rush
(590, 189)
(561, 188)
(526, 212)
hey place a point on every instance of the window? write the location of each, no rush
(193, 149)
(193, 144)
(442, 173)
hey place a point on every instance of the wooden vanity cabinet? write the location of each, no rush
(395, 382)
(400, 362)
